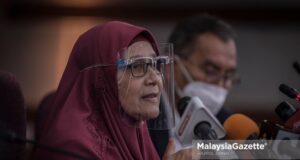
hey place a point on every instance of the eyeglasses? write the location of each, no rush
(139, 66)
(229, 80)
(214, 76)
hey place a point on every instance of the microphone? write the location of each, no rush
(297, 67)
(240, 127)
(290, 92)
(289, 115)
(268, 130)
(182, 104)
(293, 121)
(197, 122)
(274, 131)
(285, 110)
(281, 139)
(203, 130)
(9, 136)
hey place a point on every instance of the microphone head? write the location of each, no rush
(290, 92)
(285, 110)
(296, 66)
(204, 131)
(240, 127)
(182, 104)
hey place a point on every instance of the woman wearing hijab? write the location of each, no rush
(105, 95)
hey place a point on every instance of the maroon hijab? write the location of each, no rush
(85, 116)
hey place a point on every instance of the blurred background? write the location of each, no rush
(37, 37)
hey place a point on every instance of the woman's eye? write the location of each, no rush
(137, 65)
(148, 64)
(134, 66)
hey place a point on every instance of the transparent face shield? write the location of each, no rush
(146, 85)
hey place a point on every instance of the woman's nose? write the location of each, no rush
(153, 76)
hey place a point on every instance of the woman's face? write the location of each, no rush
(140, 96)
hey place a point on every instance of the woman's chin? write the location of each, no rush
(152, 114)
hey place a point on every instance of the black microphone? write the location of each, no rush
(9, 136)
(290, 92)
(285, 110)
(281, 138)
(288, 114)
(197, 122)
(182, 103)
(296, 67)
(203, 130)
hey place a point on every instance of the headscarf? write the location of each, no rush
(42, 112)
(85, 118)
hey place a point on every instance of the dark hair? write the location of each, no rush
(185, 33)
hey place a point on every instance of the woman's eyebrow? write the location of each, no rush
(137, 56)
(153, 54)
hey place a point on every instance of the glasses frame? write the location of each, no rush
(229, 81)
(124, 63)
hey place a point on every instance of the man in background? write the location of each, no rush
(205, 61)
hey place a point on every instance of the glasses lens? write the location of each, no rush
(229, 79)
(140, 66)
(138, 69)
(161, 64)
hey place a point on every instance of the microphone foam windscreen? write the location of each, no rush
(288, 91)
(240, 127)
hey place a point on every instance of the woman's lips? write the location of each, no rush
(152, 97)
